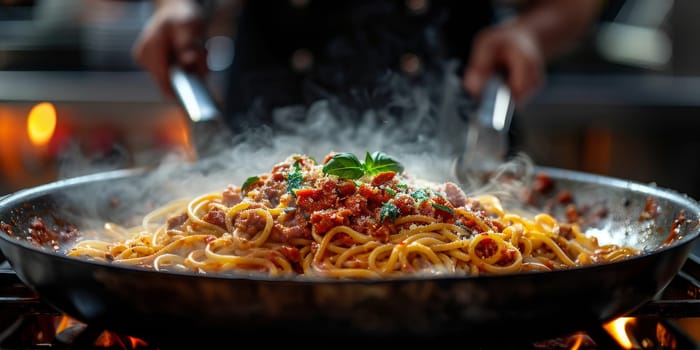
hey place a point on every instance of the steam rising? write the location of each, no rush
(422, 125)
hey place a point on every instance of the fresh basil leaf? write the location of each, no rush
(379, 162)
(369, 162)
(344, 165)
(389, 211)
(390, 191)
(249, 181)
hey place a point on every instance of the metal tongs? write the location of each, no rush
(208, 129)
(487, 135)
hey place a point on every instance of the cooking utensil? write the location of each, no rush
(208, 130)
(170, 304)
(487, 134)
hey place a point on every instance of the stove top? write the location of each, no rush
(26, 322)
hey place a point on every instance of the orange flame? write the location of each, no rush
(176, 132)
(41, 123)
(108, 339)
(579, 341)
(65, 322)
(618, 330)
(136, 342)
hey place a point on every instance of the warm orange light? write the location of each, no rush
(136, 342)
(63, 323)
(579, 340)
(190, 151)
(175, 134)
(10, 146)
(618, 330)
(107, 339)
(41, 123)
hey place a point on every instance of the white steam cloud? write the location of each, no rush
(422, 125)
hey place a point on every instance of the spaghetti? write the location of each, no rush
(344, 218)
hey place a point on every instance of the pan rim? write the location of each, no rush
(16, 198)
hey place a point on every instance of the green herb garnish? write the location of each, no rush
(294, 179)
(420, 195)
(379, 162)
(389, 211)
(249, 181)
(348, 166)
(345, 166)
(443, 208)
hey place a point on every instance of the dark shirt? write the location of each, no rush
(297, 52)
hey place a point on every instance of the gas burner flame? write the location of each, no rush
(575, 341)
(64, 323)
(111, 340)
(578, 342)
(618, 329)
(106, 339)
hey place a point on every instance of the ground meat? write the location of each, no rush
(248, 223)
(216, 217)
(177, 221)
(383, 178)
(318, 198)
(294, 226)
(325, 220)
(572, 213)
(565, 197)
(650, 210)
(231, 196)
(543, 183)
(486, 248)
(566, 231)
(405, 204)
(455, 194)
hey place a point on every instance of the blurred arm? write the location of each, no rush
(521, 46)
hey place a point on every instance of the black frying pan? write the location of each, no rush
(171, 305)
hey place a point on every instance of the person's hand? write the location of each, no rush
(507, 50)
(520, 47)
(173, 35)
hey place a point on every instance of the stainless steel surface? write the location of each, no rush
(208, 130)
(487, 133)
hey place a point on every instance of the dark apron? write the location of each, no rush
(298, 52)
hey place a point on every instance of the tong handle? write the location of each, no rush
(496, 111)
(193, 95)
(209, 133)
(487, 134)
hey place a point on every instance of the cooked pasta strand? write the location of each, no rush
(300, 220)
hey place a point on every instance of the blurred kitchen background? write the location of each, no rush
(624, 102)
